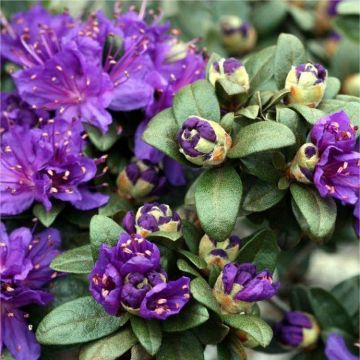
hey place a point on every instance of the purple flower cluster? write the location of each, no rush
(82, 70)
(24, 270)
(337, 173)
(129, 277)
(45, 164)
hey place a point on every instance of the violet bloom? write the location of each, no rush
(43, 164)
(297, 329)
(140, 179)
(152, 217)
(24, 271)
(240, 285)
(106, 281)
(15, 111)
(166, 299)
(335, 349)
(334, 129)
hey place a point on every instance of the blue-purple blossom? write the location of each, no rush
(335, 348)
(150, 218)
(240, 285)
(297, 329)
(24, 271)
(129, 277)
(44, 164)
(140, 179)
(337, 172)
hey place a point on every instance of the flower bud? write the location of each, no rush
(237, 36)
(219, 253)
(331, 43)
(239, 286)
(155, 217)
(230, 71)
(140, 179)
(352, 85)
(306, 83)
(297, 330)
(203, 142)
(304, 163)
(177, 51)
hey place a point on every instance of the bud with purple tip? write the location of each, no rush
(237, 36)
(239, 286)
(231, 74)
(219, 253)
(203, 142)
(304, 162)
(297, 330)
(306, 83)
(140, 179)
(151, 218)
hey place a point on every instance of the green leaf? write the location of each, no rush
(259, 66)
(318, 213)
(161, 134)
(347, 25)
(76, 261)
(333, 86)
(115, 205)
(173, 236)
(349, 7)
(252, 325)
(185, 267)
(191, 316)
(250, 112)
(217, 199)
(139, 353)
(47, 217)
(148, 332)
(212, 331)
(304, 19)
(311, 115)
(227, 122)
(192, 235)
(103, 230)
(289, 51)
(262, 196)
(197, 99)
(202, 292)
(77, 321)
(347, 293)
(262, 250)
(180, 346)
(196, 260)
(300, 299)
(261, 136)
(103, 142)
(328, 311)
(110, 347)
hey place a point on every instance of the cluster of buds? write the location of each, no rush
(231, 75)
(203, 142)
(239, 286)
(297, 330)
(140, 179)
(306, 83)
(129, 277)
(151, 218)
(237, 36)
(219, 253)
(303, 165)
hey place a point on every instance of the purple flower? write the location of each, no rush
(203, 142)
(297, 329)
(240, 285)
(332, 7)
(335, 349)
(43, 164)
(70, 85)
(152, 217)
(357, 217)
(334, 129)
(140, 179)
(15, 111)
(337, 175)
(106, 281)
(166, 299)
(24, 270)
